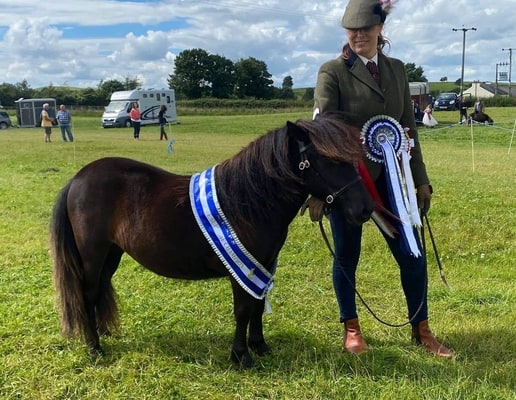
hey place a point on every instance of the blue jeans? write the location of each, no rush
(65, 128)
(347, 241)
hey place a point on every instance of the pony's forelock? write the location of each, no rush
(334, 138)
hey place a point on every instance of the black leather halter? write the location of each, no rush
(305, 164)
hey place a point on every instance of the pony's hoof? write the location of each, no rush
(96, 351)
(104, 332)
(260, 349)
(245, 361)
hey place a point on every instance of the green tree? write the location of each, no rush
(9, 93)
(191, 74)
(286, 91)
(132, 83)
(253, 79)
(415, 74)
(91, 97)
(106, 88)
(443, 79)
(309, 94)
(46, 91)
(24, 90)
(221, 76)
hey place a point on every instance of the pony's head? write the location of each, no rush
(329, 150)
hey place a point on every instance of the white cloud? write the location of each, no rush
(44, 42)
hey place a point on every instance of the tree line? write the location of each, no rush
(197, 74)
(97, 96)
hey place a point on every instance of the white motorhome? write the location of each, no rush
(116, 113)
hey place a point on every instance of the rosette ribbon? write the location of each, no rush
(386, 142)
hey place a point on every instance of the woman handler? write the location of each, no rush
(349, 84)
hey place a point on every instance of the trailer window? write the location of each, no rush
(158, 97)
(145, 95)
(151, 94)
(168, 99)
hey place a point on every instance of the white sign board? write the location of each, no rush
(503, 76)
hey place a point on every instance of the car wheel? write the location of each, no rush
(3, 125)
(128, 123)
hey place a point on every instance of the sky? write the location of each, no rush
(81, 42)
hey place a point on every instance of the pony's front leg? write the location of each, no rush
(256, 340)
(242, 306)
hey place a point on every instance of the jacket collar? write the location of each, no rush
(359, 70)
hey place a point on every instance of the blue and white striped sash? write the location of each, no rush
(247, 271)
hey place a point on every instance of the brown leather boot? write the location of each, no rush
(353, 341)
(423, 336)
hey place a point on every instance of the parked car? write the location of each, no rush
(5, 121)
(447, 101)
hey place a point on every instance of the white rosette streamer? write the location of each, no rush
(386, 142)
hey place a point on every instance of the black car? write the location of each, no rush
(447, 101)
(5, 121)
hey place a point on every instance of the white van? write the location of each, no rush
(116, 113)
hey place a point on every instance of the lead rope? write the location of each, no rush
(441, 272)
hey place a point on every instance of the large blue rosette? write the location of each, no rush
(380, 129)
(385, 141)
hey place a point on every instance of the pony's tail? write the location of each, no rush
(68, 270)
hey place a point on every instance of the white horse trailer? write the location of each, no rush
(28, 111)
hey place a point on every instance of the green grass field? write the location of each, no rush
(175, 336)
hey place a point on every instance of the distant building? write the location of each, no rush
(487, 89)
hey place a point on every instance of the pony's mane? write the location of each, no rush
(334, 137)
(240, 178)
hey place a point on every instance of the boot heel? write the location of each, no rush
(353, 341)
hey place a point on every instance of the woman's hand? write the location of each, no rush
(424, 197)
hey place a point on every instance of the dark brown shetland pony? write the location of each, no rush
(480, 118)
(117, 205)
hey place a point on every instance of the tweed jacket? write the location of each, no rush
(347, 85)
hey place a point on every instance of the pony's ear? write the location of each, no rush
(296, 132)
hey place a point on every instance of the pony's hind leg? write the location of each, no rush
(99, 298)
(106, 307)
(91, 336)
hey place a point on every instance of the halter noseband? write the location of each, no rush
(305, 164)
(331, 197)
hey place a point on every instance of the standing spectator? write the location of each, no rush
(46, 122)
(479, 106)
(417, 111)
(463, 110)
(136, 121)
(428, 118)
(367, 83)
(162, 122)
(64, 119)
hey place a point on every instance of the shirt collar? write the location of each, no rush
(365, 60)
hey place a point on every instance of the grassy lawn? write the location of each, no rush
(175, 337)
